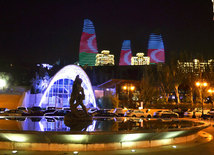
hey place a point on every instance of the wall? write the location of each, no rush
(9, 101)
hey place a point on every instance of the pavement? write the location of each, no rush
(204, 145)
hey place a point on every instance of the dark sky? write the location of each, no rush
(46, 30)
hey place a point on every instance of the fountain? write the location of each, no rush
(79, 132)
(77, 118)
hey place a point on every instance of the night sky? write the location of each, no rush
(34, 31)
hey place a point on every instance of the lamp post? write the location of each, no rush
(129, 88)
(211, 91)
(201, 86)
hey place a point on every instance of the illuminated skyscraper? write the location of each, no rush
(126, 53)
(156, 49)
(88, 44)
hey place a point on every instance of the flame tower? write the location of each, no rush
(156, 48)
(126, 53)
(88, 44)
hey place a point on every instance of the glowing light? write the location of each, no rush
(70, 72)
(198, 84)
(204, 84)
(132, 87)
(174, 146)
(211, 91)
(2, 83)
(92, 127)
(173, 134)
(14, 151)
(124, 87)
(131, 137)
(133, 150)
(75, 152)
(41, 126)
(16, 137)
(75, 138)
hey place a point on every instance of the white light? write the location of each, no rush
(16, 137)
(75, 152)
(14, 151)
(131, 137)
(174, 146)
(133, 150)
(75, 138)
(2, 83)
(173, 134)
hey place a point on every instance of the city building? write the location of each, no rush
(126, 53)
(88, 45)
(196, 65)
(104, 59)
(140, 59)
(156, 48)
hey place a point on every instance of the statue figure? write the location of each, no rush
(77, 116)
(77, 97)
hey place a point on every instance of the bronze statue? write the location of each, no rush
(77, 96)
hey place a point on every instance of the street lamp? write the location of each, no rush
(211, 91)
(129, 88)
(201, 86)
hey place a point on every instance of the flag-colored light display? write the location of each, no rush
(126, 53)
(156, 49)
(88, 44)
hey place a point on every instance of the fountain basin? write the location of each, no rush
(117, 138)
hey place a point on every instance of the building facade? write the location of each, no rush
(140, 59)
(104, 59)
(196, 65)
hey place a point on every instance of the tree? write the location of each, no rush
(148, 88)
(164, 82)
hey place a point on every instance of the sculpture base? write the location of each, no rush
(77, 123)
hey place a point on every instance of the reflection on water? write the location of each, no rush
(98, 124)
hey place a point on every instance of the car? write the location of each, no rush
(193, 113)
(165, 114)
(92, 111)
(35, 111)
(137, 113)
(56, 113)
(24, 109)
(14, 112)
(180, 112)
(120, 111)
(2, 110)
(104, 113)
(211, 111)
